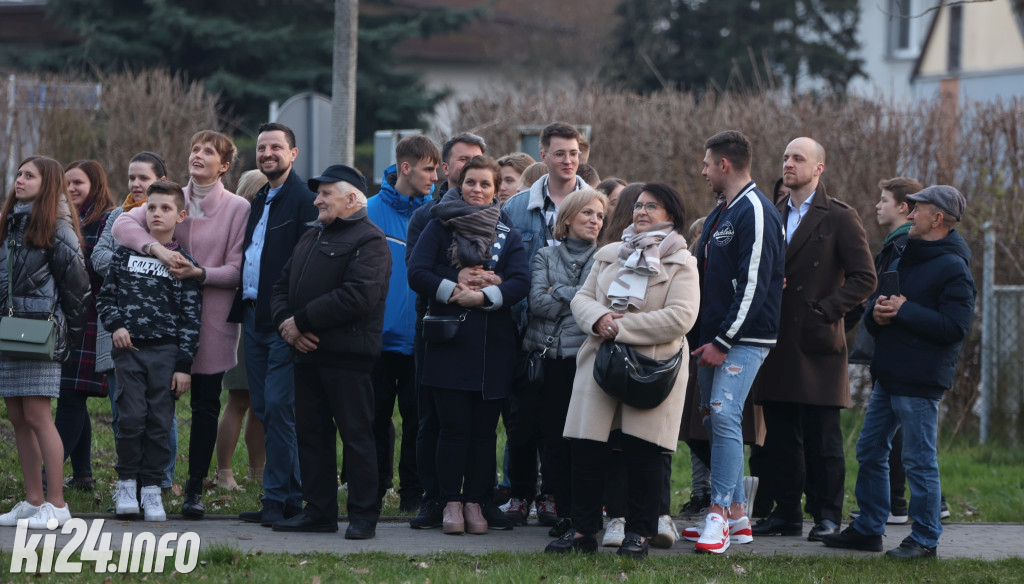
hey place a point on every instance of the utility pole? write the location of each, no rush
(343, 88)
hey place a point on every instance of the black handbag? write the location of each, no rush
(535, 360)
(634, 379)
(442, 328)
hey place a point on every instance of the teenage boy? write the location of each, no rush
(154, 321)
(406, 187)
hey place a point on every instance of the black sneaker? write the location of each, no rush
(495, 517)
(570, 543)
(564, 524)
(910, 549)
(944, 510)
(192, 507)
(696, 507)
(633, 546)
(429, 516)
(851, 539)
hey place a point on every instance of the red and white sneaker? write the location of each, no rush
(693, 533)
(715, 537)
(739, 530)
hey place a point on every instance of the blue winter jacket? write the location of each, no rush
(391, 211)
(741, 261)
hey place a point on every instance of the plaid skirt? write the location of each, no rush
(22, 378)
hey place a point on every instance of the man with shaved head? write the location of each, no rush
(803, 383)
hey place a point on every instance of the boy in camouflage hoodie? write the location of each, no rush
(154, 320)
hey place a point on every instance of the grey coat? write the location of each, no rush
(564, 272)
(102, 253)
(47, 279)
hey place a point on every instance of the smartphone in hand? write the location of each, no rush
(889, 283)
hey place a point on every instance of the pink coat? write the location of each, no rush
(215, 242)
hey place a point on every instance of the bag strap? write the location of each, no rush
(501, 231)
(551, 338)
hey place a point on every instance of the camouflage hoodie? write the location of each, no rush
(140, 294)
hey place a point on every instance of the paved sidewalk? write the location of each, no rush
(987, 541)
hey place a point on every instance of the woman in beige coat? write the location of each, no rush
(643, 292)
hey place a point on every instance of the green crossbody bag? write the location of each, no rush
(25, 338)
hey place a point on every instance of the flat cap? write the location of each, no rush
(944, 197)
(336, 173)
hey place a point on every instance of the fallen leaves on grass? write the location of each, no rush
(739, 570)
(423, 565)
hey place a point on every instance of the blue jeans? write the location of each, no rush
(268, 366)
(919, 418)
(723, 391)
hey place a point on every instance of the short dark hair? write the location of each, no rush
(485, 162)
(559, 129)
(672, 202)
(610, 184)
(417, 147)
(289, 135)
(166, 187)
(588, 174)
(519, 161)
(465, 138)
(732, 145)
(900, 187)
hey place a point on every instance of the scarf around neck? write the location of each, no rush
(640, 258)
(473, 229)
(130, 203)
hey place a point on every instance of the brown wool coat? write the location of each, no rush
(829, 268)
(673, 298)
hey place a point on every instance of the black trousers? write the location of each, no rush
(204, 399)
(75, 429)
(804, 445)
(393, 378)
(427, 429)
(645, 466)
(557, 391)
(616, 487)
(524, 435)
(466, 444)
(326, 398)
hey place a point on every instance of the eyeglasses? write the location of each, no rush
(651, 207)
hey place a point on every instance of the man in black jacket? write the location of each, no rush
(280, 212)
(329, 306)
(918, 333)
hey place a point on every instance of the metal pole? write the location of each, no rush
(988, 325)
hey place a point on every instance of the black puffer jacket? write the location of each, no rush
(43, 277)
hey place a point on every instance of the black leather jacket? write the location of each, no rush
(46, 279)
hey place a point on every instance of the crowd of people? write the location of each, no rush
(509, 291)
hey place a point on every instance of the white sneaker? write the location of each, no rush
(46, 514)
(715, 538)
(739, 530)
(22, 510)
(126, 501)
(153, 504)
(668, 535)
(693, 533)
(614, 532)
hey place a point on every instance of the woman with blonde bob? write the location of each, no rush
(43, 267)
(557, 273)
(643, 292)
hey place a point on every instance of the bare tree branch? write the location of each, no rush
(940, 5)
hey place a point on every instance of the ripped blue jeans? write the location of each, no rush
(723, 391)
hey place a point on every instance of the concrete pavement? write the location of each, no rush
(989, 541)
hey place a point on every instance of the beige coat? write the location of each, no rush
(673, 298)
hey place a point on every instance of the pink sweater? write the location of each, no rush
(215, 242)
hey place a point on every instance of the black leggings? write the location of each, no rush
(466, 444)
(205, 403)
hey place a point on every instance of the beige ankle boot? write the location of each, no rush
(226, 479)
(452, 522)
(256, 474)
(474, 517)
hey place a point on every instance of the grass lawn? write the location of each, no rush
(981, 483)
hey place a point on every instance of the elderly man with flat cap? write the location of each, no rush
(918, 331)
(329, 306)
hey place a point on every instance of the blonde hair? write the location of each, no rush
(571, 207)
(533, 173)
(249, 184)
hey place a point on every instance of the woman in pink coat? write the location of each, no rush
(212, 234)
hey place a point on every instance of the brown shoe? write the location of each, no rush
(474, 516)
(452, 522)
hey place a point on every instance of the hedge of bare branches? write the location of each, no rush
(978, 147)
(152, 110)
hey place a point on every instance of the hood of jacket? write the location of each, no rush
(919, 250)
(396, 200)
